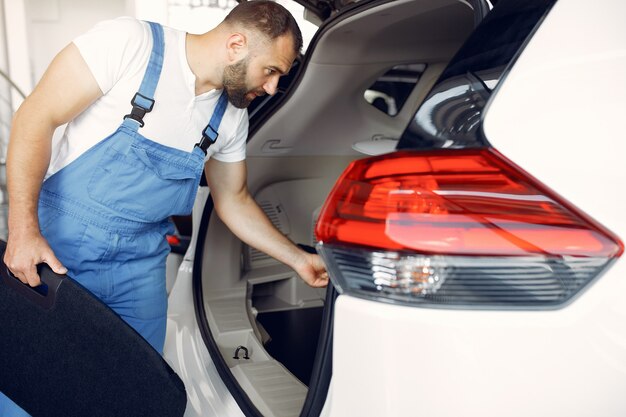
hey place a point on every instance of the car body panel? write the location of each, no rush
(437, 362)
(556, 115)
(558, 112)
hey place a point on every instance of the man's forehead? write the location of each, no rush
(279, 53)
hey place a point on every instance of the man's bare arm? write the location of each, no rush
(246, 220)
(65, 90)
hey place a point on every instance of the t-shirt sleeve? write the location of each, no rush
(111, 47)
(235, 149)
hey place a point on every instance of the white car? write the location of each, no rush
(475, 259)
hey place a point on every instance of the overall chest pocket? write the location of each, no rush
(144, 185)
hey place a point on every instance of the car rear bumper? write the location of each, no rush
(392, 360)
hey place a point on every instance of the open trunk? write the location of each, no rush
(251, 305)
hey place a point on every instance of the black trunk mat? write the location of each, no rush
(64, 353)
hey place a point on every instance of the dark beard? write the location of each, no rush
(235, 84)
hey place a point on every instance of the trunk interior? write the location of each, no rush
(254, 304)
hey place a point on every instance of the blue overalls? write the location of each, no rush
(106, 213)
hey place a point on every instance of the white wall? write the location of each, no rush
(52, 24)
(17, 64)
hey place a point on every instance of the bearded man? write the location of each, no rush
(96, 203)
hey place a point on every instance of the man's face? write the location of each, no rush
(257, 74)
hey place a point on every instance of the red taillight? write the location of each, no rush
(456, 202)
(457, 227)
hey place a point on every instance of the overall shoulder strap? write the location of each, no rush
(143, 101)
(209, 134)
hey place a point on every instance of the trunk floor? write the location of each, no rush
(294, 338)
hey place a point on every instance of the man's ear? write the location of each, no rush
(237, 46)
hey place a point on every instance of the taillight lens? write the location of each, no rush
(459, 227)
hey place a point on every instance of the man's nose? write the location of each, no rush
(271, 85)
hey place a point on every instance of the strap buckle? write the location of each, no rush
(209, 137)
(141, 106)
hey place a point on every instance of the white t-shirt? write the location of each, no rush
(117, 53)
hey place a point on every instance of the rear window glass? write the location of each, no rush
(392, 89)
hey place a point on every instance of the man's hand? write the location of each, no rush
(24, 252)
(312, 270)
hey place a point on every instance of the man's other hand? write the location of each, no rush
(24, 252)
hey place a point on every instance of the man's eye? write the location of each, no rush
(270, 71)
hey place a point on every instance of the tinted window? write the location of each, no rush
(392, 89)
(451, 115)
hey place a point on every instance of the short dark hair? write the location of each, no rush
(268, 18)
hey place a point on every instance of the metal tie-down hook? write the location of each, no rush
(245, 352)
